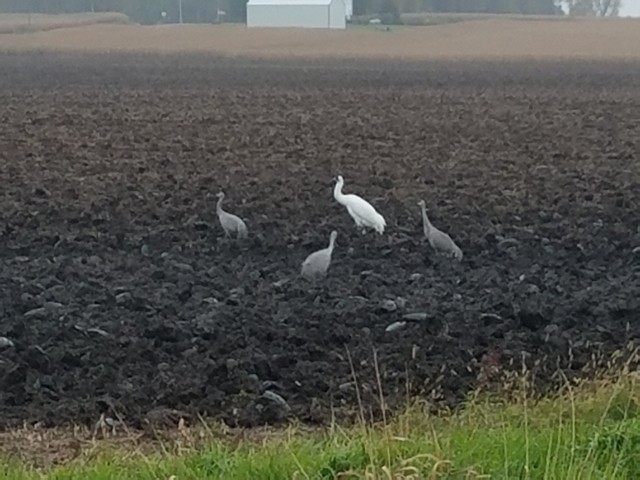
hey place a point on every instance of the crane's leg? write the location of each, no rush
(359, 225)
(356, 219)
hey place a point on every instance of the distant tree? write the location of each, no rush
(497, 6)
(537, 7)
(237, 11)
(593, 8)
(389, 9)
(580, 8)
(148, 11)
(607, 8)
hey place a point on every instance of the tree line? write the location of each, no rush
(149, 11)
(140, 11)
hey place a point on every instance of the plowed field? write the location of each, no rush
(121, 296)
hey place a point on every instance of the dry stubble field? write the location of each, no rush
(532, 167)
(492, 37)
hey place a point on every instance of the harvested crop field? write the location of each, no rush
(121, 296)
(493, 37)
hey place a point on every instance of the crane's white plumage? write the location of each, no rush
(360, 210)
(230, 223)
(316, 265)
(439, 241)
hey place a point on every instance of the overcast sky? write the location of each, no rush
(630, 7)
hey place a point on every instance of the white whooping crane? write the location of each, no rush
(230, 222)
(439, 241)
(316, 265)
(360, 210)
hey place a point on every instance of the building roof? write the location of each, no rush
(289, 2)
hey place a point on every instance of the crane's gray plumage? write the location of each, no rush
(317, 264)
(439, 241)
(230, 223)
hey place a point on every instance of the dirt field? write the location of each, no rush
(490, 38)
(120, 295)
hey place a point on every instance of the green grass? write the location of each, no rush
(586, 432)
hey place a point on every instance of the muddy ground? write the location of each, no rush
(121, 296)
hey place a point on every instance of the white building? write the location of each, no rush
(297, 13)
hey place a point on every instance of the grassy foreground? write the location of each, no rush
(591, 431)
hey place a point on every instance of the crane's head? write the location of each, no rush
(220, 195)
(339, 179)
(422, 204)
(334, 235)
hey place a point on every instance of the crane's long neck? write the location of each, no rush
(332, 242)
(426, 224)
(219, 205)
(337, 192)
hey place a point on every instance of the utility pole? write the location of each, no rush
(180, 10)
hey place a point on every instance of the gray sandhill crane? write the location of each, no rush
(230, 222)
(316, 265)
(439, 241)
